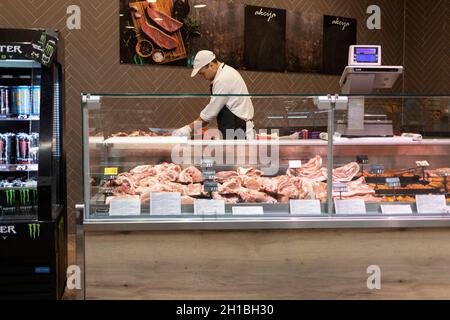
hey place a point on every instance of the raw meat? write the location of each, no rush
(190, 175)
(167, 171)
(269, 184)
(229, 199)
(194, 189)
(311, 170)
(223, 176)
(250, 172)
(345, 173)
(251, 183)
(232, 186)
(251, 196)
(163, 20)
(160, 38)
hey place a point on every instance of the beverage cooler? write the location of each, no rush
(33, 218)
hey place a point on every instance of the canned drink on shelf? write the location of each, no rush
(34, 147)
(4, 100)
(7, 147)
(23, 148)
(2, 149)
(36, 96)
(22, 100)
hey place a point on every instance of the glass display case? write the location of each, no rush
(137, 175)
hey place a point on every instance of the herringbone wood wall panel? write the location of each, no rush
(91, 56)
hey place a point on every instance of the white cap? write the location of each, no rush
(202, 58)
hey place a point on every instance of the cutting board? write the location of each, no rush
(164, 6)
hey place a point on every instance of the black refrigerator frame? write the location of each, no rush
(33, 251)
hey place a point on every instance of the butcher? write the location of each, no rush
(232, 112)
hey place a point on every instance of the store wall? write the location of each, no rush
(91, 56)
(427, 42)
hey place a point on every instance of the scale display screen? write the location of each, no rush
(366, 55)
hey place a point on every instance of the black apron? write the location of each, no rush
(228, 120)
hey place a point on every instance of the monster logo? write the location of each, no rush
(24, 196)
(34, 230)
(10, 198)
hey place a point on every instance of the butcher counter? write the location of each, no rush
(293, 244)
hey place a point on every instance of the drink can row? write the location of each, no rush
(20, 100)
(21, 148)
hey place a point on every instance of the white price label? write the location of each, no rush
(396, 209)
(209, 207)
(248, 211)
(357, 206)
(423, 163)
(431, 204)
(295, 164)
(305, 207)
(129, 206)
(165, 203)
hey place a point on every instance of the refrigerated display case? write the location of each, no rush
(137, 176)
(33, 219)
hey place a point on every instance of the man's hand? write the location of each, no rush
(183, 132)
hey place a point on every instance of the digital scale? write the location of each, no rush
(363, 74)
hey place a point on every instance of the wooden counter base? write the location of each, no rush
(275, 264)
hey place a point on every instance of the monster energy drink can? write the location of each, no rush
(7, 148)
(8, 201)
(34, 147)
(36, 97)
(21, 100)
(4, 100)
(23, 148)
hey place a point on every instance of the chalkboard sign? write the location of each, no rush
(265, 38)
(338, 35)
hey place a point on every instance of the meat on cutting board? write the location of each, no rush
(163, 40)
(166, 22)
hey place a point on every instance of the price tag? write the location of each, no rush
(393, 182)
(209, 207)
(251, 211)
(209, 186)
(4, 167)
(423, 163)
(207, 163)
(209, 174)
(295, 164)
(165, 203)
(125, 206)
(114, 171)
(431, 204)
(396, 209)
(356, 206)
(377, 169)
(442, 173)
(340, 187)
(362, 159)
(21, 167)
(33, 167)
(305, 207)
